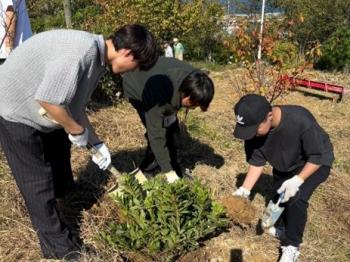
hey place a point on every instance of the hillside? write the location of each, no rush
(211, 153)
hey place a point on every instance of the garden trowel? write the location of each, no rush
(272, 212)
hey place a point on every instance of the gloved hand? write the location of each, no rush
(140, 177)
(171, 176)
(80, 140)
(102, 157)
(290, 187)
(242, 192)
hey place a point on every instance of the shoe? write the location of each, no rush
(289, 254)
(277, 232)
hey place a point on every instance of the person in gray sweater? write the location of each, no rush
(157, 95)
(56, 72)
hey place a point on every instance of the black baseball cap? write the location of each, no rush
(250, 111)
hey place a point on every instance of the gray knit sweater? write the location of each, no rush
(61, 67)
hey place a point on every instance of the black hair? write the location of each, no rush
(199, 87)
(140, 41)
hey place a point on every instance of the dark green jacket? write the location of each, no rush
(158, 92)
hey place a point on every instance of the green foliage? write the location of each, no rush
(46, 15)
(284, 53)
(82, 16)
(196, 23)
(336, 51)
(312, 21)
(108, 89)
(164, 220)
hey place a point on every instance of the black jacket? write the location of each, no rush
(298, 139)
(157, 90)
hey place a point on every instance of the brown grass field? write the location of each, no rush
(210, 153)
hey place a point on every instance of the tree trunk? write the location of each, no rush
(67, 13)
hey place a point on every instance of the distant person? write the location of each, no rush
(157, 95)
(56, 72)
(168, 50)
(14, 26)
(300, 152)
(179, 49)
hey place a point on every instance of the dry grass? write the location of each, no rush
(211, 154)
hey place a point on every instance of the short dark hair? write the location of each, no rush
(140, 41)
(199, 87)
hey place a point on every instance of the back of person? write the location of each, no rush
(26, 75)
(135, 82)
(284, 147)
(23, 29)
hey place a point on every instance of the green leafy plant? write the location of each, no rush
(164, 220)
(284, 53)
(336, 51)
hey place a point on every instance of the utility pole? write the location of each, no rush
(261, 29)
(67, 13)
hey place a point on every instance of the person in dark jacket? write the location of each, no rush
(157, 95)
(298, 149)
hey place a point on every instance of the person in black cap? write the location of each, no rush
(298, 149)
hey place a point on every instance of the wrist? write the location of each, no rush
(77, 131)
(244, 189)
(247, 187)
(300, 178)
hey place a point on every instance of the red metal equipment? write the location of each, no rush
(326, 87)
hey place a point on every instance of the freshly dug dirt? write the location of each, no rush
(212, 155)
(239, 209)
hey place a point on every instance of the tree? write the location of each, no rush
(314, 21)
(46, 15)
(196, 23)
(67, 13)
(336, 51)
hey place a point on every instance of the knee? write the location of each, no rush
(297, 203)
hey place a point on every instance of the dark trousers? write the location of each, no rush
(172, 138)
(295, 214)
(40, 164)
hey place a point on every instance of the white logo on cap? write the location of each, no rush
(240, 120)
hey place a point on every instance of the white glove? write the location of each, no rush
(171, 176)
(80, 140)
(102, 157)
(290, 187)
(242, 192)
(140, 177)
